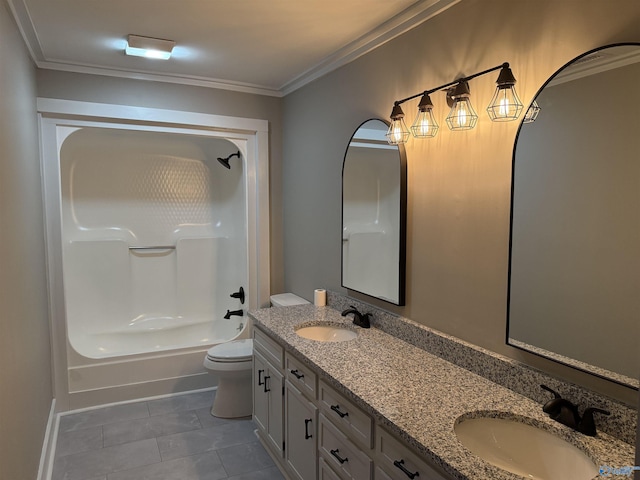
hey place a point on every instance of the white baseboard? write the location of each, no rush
(47, 455)
(135, 400)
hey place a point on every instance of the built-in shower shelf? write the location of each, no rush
(147, 324)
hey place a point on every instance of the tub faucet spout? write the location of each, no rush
(231, 313)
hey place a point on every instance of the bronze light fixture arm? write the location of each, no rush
(450, 84)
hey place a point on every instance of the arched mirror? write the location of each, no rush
(574, 283)
(374, 198)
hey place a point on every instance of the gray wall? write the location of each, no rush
(119, 91)
(25, 376)
(458, 182)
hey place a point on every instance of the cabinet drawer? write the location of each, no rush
(301, 376)
(325, 472)
(269, 348)
(380, 475)
(399, 462)
(354, 422)
(343, 456)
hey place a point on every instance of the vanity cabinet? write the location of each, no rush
(396, 462)
(300, 434)
(325, 472)
(268, 391)
(314, 432)
(357, 425)
(344, 457)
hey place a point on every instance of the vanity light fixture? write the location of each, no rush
(505, 106)
(148, 47)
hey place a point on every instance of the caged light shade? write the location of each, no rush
(425, 125)
(532, 113)
(505, 105)
(398, 132)
(462, 115)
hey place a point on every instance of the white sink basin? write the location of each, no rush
(524, 450)
(326, 333)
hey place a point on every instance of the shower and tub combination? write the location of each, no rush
(156, 224)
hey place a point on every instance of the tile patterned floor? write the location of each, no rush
(173, 438)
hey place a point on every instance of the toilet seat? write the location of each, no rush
(235, 351)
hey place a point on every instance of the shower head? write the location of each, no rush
(225, 161)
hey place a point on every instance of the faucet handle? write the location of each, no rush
(554, 406)
(588, 425)
(555, 394)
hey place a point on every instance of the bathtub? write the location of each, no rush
(149, 237)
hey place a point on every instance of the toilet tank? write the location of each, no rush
(286, 300)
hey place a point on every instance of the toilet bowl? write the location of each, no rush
(231, 363)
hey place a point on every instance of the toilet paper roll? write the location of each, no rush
(319, 297)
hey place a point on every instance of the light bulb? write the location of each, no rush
(397, 133)
(505, 105)
(462, 115)
(532, 113)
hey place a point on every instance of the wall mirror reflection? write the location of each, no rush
(374, 214)
(574, 289)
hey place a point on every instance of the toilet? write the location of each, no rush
(286, 300)
(231, 362)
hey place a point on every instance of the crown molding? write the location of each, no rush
(596, 62)
(161, 77)
(411, 17)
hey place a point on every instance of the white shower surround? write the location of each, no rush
(96, 365)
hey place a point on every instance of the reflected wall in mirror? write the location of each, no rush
(374, 179)
(574, 286)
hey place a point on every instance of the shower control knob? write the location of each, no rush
(239, 294)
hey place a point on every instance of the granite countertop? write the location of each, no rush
(419, 396)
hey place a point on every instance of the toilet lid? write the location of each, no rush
(235, 351)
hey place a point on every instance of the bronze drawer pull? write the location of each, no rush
(336, 408)
(400, 465)
(335, 454)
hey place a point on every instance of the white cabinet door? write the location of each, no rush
(268, 401)
(301, 437)
(260, 397)
(274, 386)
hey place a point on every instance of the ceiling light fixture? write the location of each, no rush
(148, 47)
(505, 106)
